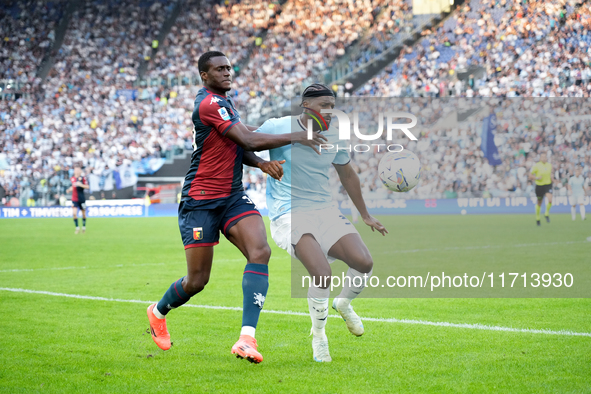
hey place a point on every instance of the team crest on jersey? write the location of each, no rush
(224, 114)
(214, 99)
(198, 233)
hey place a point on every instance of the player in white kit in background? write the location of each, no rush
(305, 222)
(577, 188)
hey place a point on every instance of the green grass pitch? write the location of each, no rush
(57, 344)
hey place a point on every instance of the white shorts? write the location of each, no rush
(327, 225)
(576, 199)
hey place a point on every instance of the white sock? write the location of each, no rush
(573, 212)
(318, 307)
(157, 313)
(582, 212)
(248, 330)
(350, 288)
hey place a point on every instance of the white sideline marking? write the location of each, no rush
(291, 313)
(450, 248)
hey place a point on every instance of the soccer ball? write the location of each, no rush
(400, 171)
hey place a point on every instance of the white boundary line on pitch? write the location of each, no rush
(291, 313)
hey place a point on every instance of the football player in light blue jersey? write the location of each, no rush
(305, 222)
(577, 188)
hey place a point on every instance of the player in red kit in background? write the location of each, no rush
(79, 183)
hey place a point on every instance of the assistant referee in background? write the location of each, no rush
(542, 173)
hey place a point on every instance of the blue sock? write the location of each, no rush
(174, 297)
(255, 283)
(83, 222)
(76, 222)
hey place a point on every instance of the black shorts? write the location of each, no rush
(541, 190)
(79, 205)
(201, 221)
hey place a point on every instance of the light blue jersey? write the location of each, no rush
(305, 183)
(577, 185)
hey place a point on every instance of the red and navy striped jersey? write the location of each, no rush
(78, 192)
(216, 162)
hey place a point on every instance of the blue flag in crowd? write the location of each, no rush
(488, 146)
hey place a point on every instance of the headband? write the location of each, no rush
(319, 93)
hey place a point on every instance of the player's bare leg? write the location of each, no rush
(538, 210)
(548, 206)
(83, 220)
(199, 262)
(312, 257)
(75, 217)
(250, 237)
(352, 250)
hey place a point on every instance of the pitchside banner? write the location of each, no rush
(462, 206)
(95, 209)
(483, 155)
(455, 206)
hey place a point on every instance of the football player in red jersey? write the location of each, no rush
(213, 200)
(79, 183)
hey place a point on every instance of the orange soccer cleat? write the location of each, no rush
(246, 347)
(158, 330)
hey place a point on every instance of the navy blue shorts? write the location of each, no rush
(79, 205)
(201, 221)
(541, 190)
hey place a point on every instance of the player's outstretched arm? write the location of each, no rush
(273, 168)
(251, 141)
(350, 181)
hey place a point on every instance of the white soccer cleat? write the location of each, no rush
(320, 348)
(77, 230)
(351, 318)
(83, 230)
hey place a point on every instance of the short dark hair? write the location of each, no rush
(315, 87)
(203, 62)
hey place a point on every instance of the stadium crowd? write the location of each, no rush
(27, 31)
(452, 161)
(394, 24)
(94, 126)
(533, 49)
(87, 112)
(305, 40)
(231, 28)
(106, 42)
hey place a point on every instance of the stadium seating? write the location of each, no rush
(228, 28)
(27, 33)
(295, 52)
(106, 41)
(89, 110)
